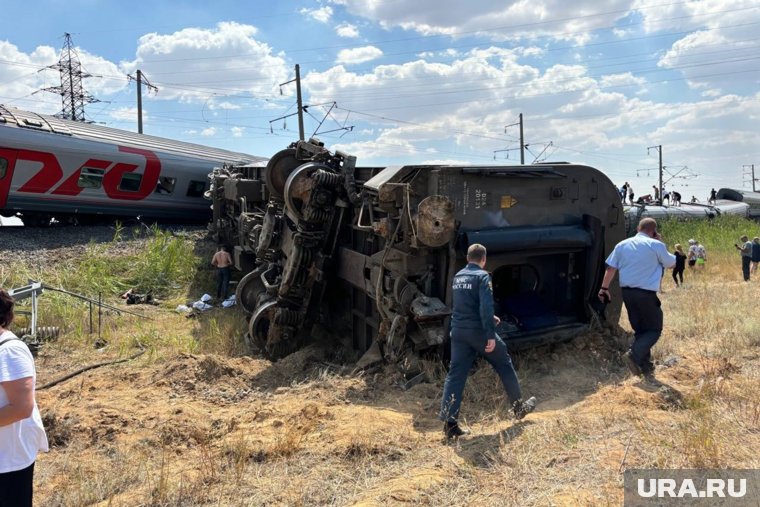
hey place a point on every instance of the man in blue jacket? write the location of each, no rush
(473, 333)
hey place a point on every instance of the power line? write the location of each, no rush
(73, 95)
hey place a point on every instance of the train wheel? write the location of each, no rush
(278, 169)
(249, 288)
(258, 326)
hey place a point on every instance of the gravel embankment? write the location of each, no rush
(42, 246)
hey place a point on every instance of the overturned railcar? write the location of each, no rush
(368, 253)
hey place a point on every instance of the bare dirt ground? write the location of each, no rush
(211, 430)
(182, 426)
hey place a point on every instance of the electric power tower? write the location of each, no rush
(73, 95)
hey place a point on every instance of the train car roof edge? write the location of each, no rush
(52, 125)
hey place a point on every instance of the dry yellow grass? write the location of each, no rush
(194, 423)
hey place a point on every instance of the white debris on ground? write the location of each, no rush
(204, 304)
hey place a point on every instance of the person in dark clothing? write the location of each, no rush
(746, 252)
(755, 253)
(675, 198)
(640, 261)
(680, 266)
(713, 197)
(473, 333)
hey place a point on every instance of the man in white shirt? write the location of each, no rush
(640, 260)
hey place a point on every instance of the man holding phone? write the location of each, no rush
(746, 250)
(640, 261)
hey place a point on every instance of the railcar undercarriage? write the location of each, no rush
(369, 252)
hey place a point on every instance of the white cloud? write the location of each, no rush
(496, 19)
(358, 55)
(722, 45)
(228, 106)
(621, 80)
(323, 14)
(208, 132)
(127, 114)
(20, 79)
(237, 131)
(187, 64)
(347, 30)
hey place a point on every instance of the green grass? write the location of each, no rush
(150, 261)
(717, 235)
(163, 266)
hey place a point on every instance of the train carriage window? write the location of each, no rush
(3, 167)
(90, 177)
(196, 189)
(165, 185)
(130, 182)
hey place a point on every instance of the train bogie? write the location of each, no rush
(330, 248)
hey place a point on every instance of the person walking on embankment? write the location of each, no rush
(639, 260)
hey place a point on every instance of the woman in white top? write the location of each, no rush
(21, 431)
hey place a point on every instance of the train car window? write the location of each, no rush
(90, 177)
(130, 182)
(196, 189)
(165, 185)
(3, 167)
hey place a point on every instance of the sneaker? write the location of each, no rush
(451, 430)
(523, 408)
(650, 379)
(631, 364)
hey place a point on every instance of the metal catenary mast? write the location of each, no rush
(73, 95)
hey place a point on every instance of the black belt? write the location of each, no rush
(639, 289)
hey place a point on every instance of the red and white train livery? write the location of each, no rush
(54, 168)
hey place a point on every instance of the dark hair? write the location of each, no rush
(6, 308)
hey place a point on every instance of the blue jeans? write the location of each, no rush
(645, 316)
(222, 282)
(466, 345)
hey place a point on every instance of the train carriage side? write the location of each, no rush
(53, 168)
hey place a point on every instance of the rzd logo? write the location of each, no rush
(51, 173)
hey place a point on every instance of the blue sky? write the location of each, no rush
(421, 81)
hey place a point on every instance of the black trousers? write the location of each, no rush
(16, 488)
(678, 273)
(745, 267)
(645, 316)
(222, 282)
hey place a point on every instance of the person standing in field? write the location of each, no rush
(223, 262)
(746, 253)
(680, 265)
(473, 334)
(755, 253)
(639, 260)
(22, 435)
(691, 254)
(701, 253)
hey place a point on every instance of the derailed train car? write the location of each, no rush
(684, 212)
(368, 253)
